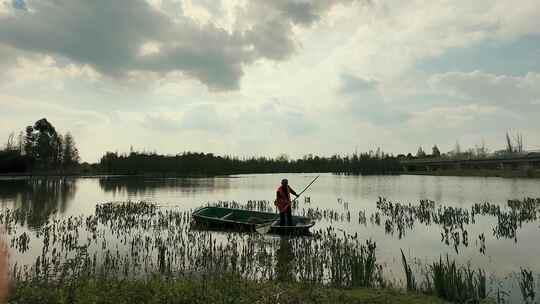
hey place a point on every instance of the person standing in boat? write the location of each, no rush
(283, 203)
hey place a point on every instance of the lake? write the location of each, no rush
(486, 242)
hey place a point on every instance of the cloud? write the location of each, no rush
(202, 117)
(302, 12)
(437, 118)
(113, 37)
(351, 84)
(512, 92)
(281, 118)
(364, 101)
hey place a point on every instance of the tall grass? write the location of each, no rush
(526, 285)
(447, 280)
(457, 283)
(411, 282)
(136, 240)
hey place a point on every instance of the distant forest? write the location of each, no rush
(40, 149)
(190, 163)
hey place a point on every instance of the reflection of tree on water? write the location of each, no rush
(143, 185)
(38, 197)
(284, 257)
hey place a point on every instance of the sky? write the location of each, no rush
(263, 78)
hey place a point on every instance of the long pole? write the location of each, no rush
(307, 186)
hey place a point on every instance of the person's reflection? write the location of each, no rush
(284, 254)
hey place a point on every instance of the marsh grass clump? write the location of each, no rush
(129, 240)
(351, 263)
(409, 276)
(254, 205)
(457, 283)
(449, 281)
(327, 214)
(526, 285)
(399, 219)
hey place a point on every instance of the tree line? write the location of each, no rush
(39, 148)
(207, 164)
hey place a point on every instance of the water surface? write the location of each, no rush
(348, 196)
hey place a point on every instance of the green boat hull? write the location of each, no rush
(247, 220)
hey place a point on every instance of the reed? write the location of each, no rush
(526, 285)
(126, 240)
(457, 283)
(409, 276)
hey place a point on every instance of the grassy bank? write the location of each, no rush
(216, 290)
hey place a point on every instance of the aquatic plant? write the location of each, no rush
(526, 285)
(411, 282)
(457, 283)
(401, 218)
(139, 239)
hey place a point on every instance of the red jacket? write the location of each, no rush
(283, 198)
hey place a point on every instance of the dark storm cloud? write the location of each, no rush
(108, 35)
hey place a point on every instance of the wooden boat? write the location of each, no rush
(247, 220)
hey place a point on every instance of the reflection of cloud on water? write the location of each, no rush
(39, 197)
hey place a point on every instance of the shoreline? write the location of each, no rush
(527, 174)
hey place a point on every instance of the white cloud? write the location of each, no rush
(28, 71)
(437, 118)
(513, 92)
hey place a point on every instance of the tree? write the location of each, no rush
(519, 142)
(509, 146)
(435, 151)
(46, 141)
(283, 158)
(457, 149)
(42, 144)
(70, 152)
(481, 151)
(30, 143)
(420, 153)
(10, 145)
(515, 145)
(20, 143)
